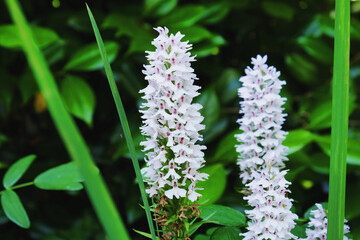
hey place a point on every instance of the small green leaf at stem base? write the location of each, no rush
(14, 209)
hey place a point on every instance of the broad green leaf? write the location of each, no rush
(205, 49)
(9, 36)
(27, 86)
(159, 7)
(222, 215)
(228, 84)
(202, 237)
(88, 57)
(79, 98)
(302, 68)
(355, 29)
(14, 209)
(216, 130)
(194, 34)
(317, 49)
(215, 12)
(226, 148)
(320, 116)
(278, 10)
(185, 16)
(353, 153)
(209, 46)
(218, 40)
(211, 230)
(352, 209)
(299, 231)
(63, 177)
(211, 107)
(226, 233)
(291, 175)
(297, 139)
(195, 226)
(214, 186)
(131, 27)
(54, 52)
(15, 172)
(148, 235)
(322, 24)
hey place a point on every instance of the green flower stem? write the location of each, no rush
(123, 120)
(94, 183)
(339, 126)
(18, 186)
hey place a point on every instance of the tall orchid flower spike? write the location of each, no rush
(262, 118)
(318, 225)
(271, 217)
(262, 154)
(171, 124)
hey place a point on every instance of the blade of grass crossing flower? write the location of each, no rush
(123, 119)
(339, 127)
(95, 186)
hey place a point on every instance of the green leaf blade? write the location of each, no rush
(63, 177)
(17, 170)
(14, 209)
(123, 119)
(148, 235)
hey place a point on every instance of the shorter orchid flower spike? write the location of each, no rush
(262, 119)
(318, 225)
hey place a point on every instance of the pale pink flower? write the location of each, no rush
(317, 229)
(171, 122)
(271, 217)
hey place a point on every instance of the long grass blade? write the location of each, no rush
(95, 186)
(339, 126)
(123, 120)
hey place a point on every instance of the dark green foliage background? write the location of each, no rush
(296, 35)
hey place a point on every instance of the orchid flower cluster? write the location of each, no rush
(318, 225)
(171, 123)
(262, 154)
(262, 119)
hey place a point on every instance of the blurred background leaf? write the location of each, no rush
(78, 97)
